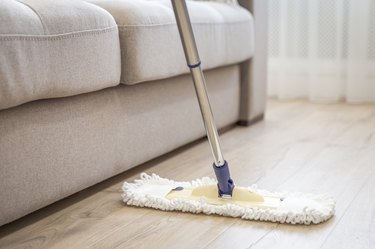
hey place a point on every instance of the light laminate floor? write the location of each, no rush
(298, 147)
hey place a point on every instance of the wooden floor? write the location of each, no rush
(298, 147)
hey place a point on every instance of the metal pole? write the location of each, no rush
(193, 61)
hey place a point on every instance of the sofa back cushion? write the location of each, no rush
(54, 49)
(150, 42)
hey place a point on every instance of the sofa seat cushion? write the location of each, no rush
(54, 49)
(150, 43)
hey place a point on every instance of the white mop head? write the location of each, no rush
(295, 208)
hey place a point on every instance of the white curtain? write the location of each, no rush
(323, 50)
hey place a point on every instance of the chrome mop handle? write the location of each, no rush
(194, 63)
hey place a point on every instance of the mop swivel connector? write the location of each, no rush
(224, 183)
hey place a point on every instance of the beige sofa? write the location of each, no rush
(89, 89)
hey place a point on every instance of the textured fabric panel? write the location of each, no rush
(38, 68)
(53, 148)
(47, 52)
(150, 43)
(18, 18)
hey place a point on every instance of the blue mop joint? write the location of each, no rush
(224, 183)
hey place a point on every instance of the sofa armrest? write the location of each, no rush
(254, 71)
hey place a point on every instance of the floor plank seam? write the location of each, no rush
(211, 241)
(262, 237)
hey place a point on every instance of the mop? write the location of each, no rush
(221, 196)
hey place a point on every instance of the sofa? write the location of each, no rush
(90, 89)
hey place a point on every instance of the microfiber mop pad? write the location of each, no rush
(159, 193)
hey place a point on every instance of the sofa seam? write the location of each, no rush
(121, 26)
(36, 13)
(13, 37)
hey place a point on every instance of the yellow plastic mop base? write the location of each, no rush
(241, 197)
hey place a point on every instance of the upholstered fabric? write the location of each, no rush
(53, 148)
(150, 43)
(54, 49)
